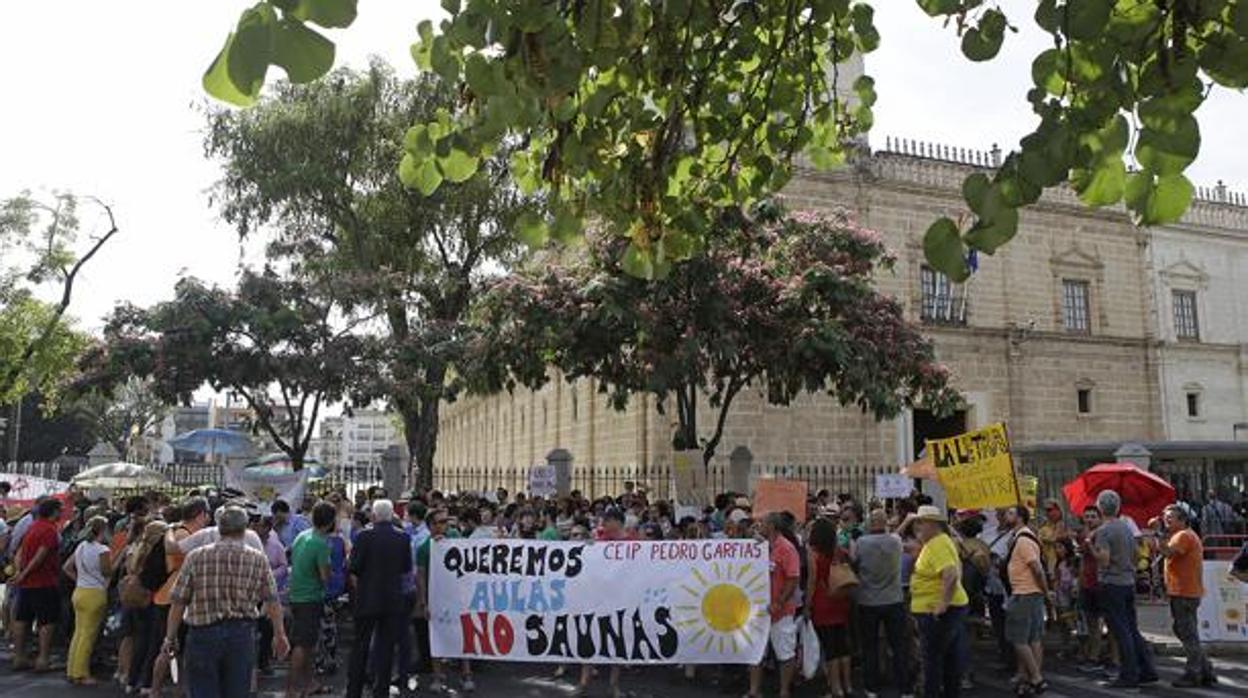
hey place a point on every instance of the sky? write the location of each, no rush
(104, 98)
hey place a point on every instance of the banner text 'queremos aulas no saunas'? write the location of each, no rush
(655, 602)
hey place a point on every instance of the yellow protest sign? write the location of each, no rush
(976, 469)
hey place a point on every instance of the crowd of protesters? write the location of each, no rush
(208, 591)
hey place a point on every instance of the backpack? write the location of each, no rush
(1003, 569)
(976, 565)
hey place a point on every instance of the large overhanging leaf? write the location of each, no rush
(652, 118)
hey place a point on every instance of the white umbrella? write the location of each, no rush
(112, 476)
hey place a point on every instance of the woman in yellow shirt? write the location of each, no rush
(938, 603)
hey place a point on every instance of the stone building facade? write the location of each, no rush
(1067, 334)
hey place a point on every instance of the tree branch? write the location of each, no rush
(11, 376)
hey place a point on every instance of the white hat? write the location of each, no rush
(737, 516)
(928, 512)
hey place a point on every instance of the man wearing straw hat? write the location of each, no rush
(938, 602)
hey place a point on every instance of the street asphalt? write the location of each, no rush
(507, 680)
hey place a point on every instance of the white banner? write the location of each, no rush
(628, 602)
(543, 481)
(29, 487)
(892, 486)
(264, 488)
(1223, 612)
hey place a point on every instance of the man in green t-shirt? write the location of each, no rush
(309, 571)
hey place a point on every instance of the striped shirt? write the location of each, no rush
(224, 581)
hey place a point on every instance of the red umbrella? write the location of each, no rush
(1143, 494)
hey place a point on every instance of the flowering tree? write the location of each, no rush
(786, 302)
(274, 342)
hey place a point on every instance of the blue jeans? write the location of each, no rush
(220, 658)
(1118, 604)
(893, 618)
(942, 638)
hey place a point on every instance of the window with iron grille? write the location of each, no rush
(1075, 307)
(943, 300)
(1186, 324)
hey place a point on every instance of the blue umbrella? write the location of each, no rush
(211, 442)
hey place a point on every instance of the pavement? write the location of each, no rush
(537, 680)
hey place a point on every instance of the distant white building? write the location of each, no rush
(1200, 275)
(352, 446)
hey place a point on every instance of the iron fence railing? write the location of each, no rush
(599, 481)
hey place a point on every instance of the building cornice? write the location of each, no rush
(937, 170)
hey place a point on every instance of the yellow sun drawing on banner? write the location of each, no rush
(725, 609)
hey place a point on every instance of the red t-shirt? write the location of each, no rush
(1087, 565)
(826, 610)
(785, 565)
(42, 534)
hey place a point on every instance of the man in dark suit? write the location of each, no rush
(380, 559)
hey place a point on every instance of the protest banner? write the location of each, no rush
(543, 481)
(27, 487)
(780, 495)
(626, 602)
(976, 469)
(1223, 612)
(265, 486)
(689, 472)
(892, 486)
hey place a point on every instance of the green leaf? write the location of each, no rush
(637, 262)
(1048, 71)
(1158, 201)
(1102, 186)
(982, 43)
(864, 87)
(863, 19)
(942, 245)
(1135, 193)
(419, 174)
(1086, 19)
(974, 190)
(1226, 61)
(303, 53)
(935, 8)
(252, 49)
(442, 60)
(825, 158)
(417, 141)
(1239, 18)
(567, 226)
(1170, 198)
(1047, 16)
(216, 80)
(532, 230)
(997, 224)
(327, 13)
(458, 166)
(479, 74)
(1169, 153)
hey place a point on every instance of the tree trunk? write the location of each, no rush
(420, 425)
